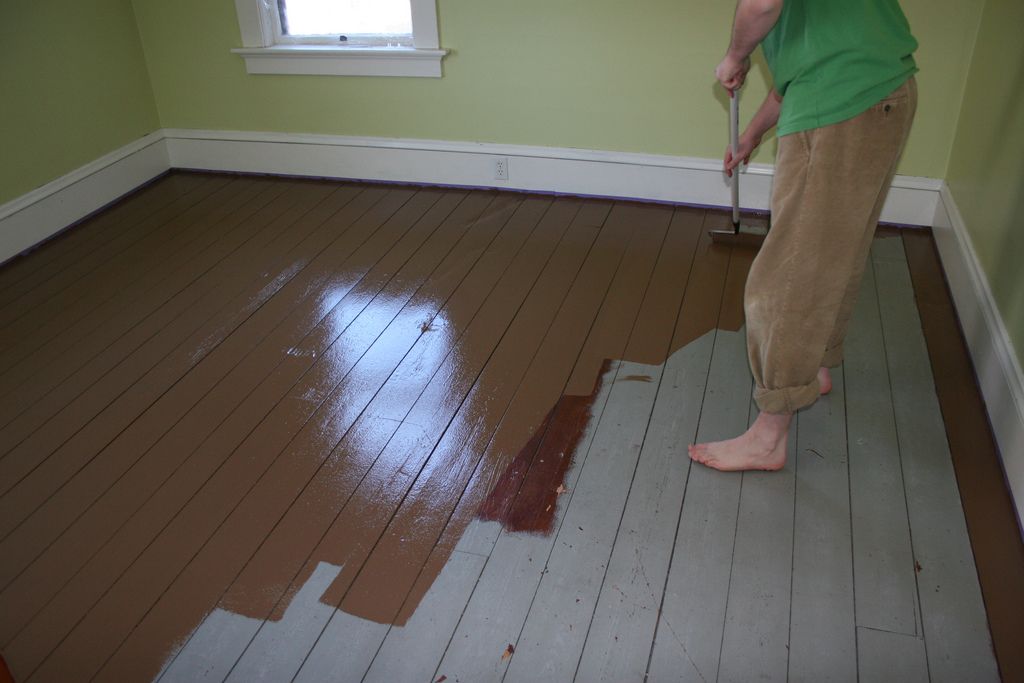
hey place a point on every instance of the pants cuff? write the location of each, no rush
(833, 357)
(787, 399)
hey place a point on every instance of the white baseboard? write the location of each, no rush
(995, 361)
(37, 215)
(45, 211)
(653, 177)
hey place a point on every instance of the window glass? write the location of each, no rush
(346, 17)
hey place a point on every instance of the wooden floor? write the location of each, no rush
(271, 429)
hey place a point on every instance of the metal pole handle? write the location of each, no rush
(734, 141)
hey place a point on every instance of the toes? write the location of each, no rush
(699, 453)
(709, 461)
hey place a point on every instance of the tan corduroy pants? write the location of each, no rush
(829, 187)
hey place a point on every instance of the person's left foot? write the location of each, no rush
(762, 447)
(824, 381)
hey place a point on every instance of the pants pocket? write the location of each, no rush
(901, 96)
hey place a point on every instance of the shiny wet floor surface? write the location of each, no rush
(272, 429)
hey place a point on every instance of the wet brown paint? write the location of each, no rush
(101, 416)
(28, 388)
(525, 497)
(72, 417)
(988, 506)
(25, 315)
(22, 273)
(731, 317)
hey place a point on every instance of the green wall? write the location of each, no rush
(986, 170)
(593, 74)
(74, 87)
(82, 79)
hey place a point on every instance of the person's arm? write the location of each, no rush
(766, 117)
(754, 19)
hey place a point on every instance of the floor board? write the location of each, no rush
(885, 588)
(755, 641)
(260, 429)
(19, 275)
(822, 642)
(887, 656)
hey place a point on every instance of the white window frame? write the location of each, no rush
(265, 53)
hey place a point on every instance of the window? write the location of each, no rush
(350, 22)
(340, 37)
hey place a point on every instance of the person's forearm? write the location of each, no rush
(766, 117)
(754, 19)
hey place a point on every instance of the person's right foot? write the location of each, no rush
(762, 447)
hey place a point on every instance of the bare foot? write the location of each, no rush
(824, 381)
(762, 447)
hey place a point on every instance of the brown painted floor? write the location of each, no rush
(224, 392)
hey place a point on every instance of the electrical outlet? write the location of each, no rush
(501, 168)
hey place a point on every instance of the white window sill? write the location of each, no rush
(325, 60)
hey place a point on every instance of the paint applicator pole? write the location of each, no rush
(740, 235)
(734, 143)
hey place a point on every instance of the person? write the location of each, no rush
(843, 98)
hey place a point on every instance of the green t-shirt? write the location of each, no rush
(833, 59)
